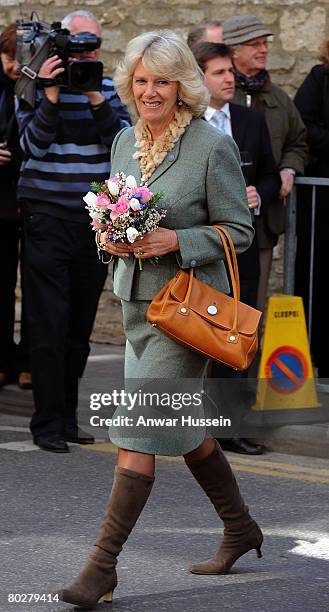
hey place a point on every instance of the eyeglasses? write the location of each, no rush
(258, 44)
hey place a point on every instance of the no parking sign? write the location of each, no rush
(286, 369)
(286, 378)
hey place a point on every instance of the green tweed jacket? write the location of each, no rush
(203, 185)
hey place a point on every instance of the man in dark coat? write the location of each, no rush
(248, 37)
(248, 129)
(312, 100)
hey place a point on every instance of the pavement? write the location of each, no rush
(51, 507)
(307, 435)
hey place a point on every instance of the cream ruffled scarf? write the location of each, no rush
(152, 153)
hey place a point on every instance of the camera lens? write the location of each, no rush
(85, 76)
(81, 75)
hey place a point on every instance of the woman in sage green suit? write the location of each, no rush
(201, 180)
(176, 152)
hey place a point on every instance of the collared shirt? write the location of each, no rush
(210, 111)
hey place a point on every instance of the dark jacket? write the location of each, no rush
(312, 101)
(250, 133)
(288, 139)
(9, 133)
(286, 128)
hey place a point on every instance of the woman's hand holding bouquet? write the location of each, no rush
(126, 219)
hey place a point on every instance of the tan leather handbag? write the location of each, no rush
(205, 320)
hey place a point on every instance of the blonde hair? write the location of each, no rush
(164, 54)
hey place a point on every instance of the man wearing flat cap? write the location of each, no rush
(248, 37)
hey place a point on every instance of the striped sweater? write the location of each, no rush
(66, 146)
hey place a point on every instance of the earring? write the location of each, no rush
(179, 101)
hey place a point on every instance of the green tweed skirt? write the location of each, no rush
(164, 383)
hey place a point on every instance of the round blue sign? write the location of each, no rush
(286, 369)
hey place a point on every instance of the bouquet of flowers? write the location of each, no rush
(123, 210)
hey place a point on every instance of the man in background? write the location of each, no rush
(248, 37)
(248, 129)
(210, 31)
(66, 140)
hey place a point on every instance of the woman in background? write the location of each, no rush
(13, 360)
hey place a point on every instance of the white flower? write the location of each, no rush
(95, 214)
(113, 188)
(131, 182)
(90, 198)
(132, 234)
(135, 204)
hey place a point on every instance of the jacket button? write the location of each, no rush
(171, 157)
(193, 263)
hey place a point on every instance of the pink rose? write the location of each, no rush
(97, 225)
(144, 193)
(103, 200)
(122, 206)
(119, 208)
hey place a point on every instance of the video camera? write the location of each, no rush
(79, 75)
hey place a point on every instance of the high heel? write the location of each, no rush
(108, 597)
(98, 579)
(235, 544)
(96, 582)
(259, 552)
(241, 532)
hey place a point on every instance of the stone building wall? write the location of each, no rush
(298, 27)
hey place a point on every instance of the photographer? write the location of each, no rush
(66, 139)
(13, 359)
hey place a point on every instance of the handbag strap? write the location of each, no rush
(233, 269)
(232, 264)
(230, 255)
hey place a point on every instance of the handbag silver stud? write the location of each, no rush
(232, 338)
(183, 310)
(212, 309)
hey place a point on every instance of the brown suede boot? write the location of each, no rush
(98, 578)
(241, 532)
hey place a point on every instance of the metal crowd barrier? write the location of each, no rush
(290, 238)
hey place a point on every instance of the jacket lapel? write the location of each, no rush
(238, 125)
(133, 168)
(167, 162)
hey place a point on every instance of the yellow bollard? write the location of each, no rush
(286, 379)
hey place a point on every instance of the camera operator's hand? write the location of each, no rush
(5, 154)
(50, 69)
(95, 98)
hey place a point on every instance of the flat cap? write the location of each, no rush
(241, 28)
